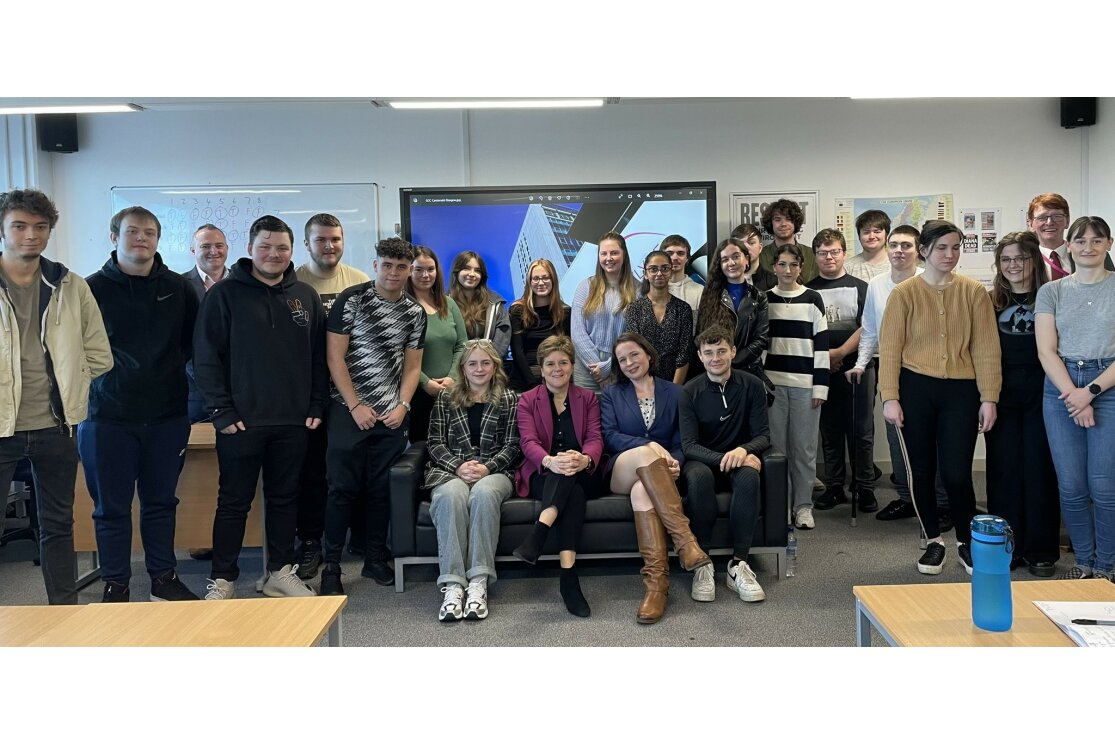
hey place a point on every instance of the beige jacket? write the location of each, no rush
(73, 337)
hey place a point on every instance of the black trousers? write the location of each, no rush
(277, 452)
(421, 408)
(314, 492)
(941, 423)
(701, 485)
(359, 466)
(1021, 481)
(848, 426)
(568, 495)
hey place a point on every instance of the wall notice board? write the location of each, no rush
(233, 208)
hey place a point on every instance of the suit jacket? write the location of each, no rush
(450, 442)
(623, 425)
(536, 430)
(193, 279)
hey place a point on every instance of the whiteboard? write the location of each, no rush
(183, 209)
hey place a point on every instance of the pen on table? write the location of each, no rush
(1093, 622)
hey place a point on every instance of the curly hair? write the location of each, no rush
(788, 208)
(395, 248)
(28, 200)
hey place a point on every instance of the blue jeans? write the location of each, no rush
(53, 459)
(467, 522)
(121, 460)
(1085, 468)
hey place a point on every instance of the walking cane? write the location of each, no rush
(851, 440)
(923, 540)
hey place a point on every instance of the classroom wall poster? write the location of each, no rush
(748, 206)
(913, 210)
(982, 227)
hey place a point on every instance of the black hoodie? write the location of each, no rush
(259, 351)
(150, 325)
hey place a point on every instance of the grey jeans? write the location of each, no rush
(467, 522)
(793, 431)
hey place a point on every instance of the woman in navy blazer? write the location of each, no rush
(559, 431)
(641, 430)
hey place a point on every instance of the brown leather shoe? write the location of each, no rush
(663, 492)
(656, 578)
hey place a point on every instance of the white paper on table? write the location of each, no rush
(1062, 613)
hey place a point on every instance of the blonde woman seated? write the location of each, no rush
(639, 416)
(473, 447)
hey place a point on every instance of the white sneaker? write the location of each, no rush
(704, 584)
(803, 518)
(285, 584)
(742, 580)
(220, 589)
(476, 602)
(451, 604)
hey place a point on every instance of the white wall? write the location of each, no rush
(987, 152)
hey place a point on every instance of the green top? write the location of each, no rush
(445, 337)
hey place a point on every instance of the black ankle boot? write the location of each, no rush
(571, 593)
(530, 549)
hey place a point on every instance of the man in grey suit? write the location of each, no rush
(210, 250)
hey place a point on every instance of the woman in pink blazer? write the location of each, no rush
(559, 431)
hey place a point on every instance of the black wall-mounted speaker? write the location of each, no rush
(1078, 112)
(57, 132)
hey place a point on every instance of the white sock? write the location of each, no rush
(482, 580)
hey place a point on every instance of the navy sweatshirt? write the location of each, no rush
(150, 325)
(714, 420)
(259, 351)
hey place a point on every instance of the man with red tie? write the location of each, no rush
(1047, 217)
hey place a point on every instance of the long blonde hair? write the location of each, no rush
(599, 284)
(526, 302)
(459, 395)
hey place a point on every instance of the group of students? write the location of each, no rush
(668, 390)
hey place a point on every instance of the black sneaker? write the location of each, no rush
(933, 558)
(116, 593)
(896, 510)
(1042, 568)
(867, 502)
(380, 571)
(964, 553)
(331, 580)
(832, 497)
(310, 561)
(169, 587)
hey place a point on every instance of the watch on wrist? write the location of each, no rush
(406, 405)
(1094, 389)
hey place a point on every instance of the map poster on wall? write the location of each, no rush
(901, 210)
(748, 206)
(982, 226)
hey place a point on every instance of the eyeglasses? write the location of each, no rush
(657, 270)
(1008, 260)
(1052, 219)
(830, 254)
(540, 280)
(731, 259)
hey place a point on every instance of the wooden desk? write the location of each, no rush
(271, 622)
(941, 615)
(197, 501)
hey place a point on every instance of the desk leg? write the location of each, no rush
(94, 574)
(863, 627)
(335, 633)
(263, 532)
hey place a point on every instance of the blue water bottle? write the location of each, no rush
(992, 546)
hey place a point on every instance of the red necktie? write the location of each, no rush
(1058, 267)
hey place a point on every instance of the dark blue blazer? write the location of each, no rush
(623, 425)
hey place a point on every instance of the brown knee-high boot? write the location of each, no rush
(663, 492)
(655, 571)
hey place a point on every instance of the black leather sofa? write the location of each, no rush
(609, 525)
